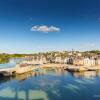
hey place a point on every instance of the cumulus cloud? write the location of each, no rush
(45, 29)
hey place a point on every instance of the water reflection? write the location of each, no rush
(10, 93)
(73, 88)
(86, 74)
(10, 63)
(50, 85)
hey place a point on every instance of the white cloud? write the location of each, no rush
(45, 29)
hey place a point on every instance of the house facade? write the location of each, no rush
(78, 61)
(98, 61)
(89, 62)
(66, 60)
(84, 61)
(58, 60)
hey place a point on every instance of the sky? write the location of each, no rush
(28, 26)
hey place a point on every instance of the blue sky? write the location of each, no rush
(28, 26)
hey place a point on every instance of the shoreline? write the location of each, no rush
(72, 68)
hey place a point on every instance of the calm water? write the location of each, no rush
(11, 63)
(51, 85)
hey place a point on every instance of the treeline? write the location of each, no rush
(4, 58)
(97, 52)
(17, 55)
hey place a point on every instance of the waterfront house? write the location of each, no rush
(43, 60)
(66, 60)
(97, 61)
(70, 61)
(81, 61)
(89, 62)
(58, 59)
(37, 60)
(78, 61)
(50, 59)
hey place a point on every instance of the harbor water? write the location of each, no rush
(51, 85)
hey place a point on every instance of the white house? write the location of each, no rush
(97, 61)
(34, 60)
(78, 61)
(66, 60)
(43, 60)
(58, 60)
(89, 62)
